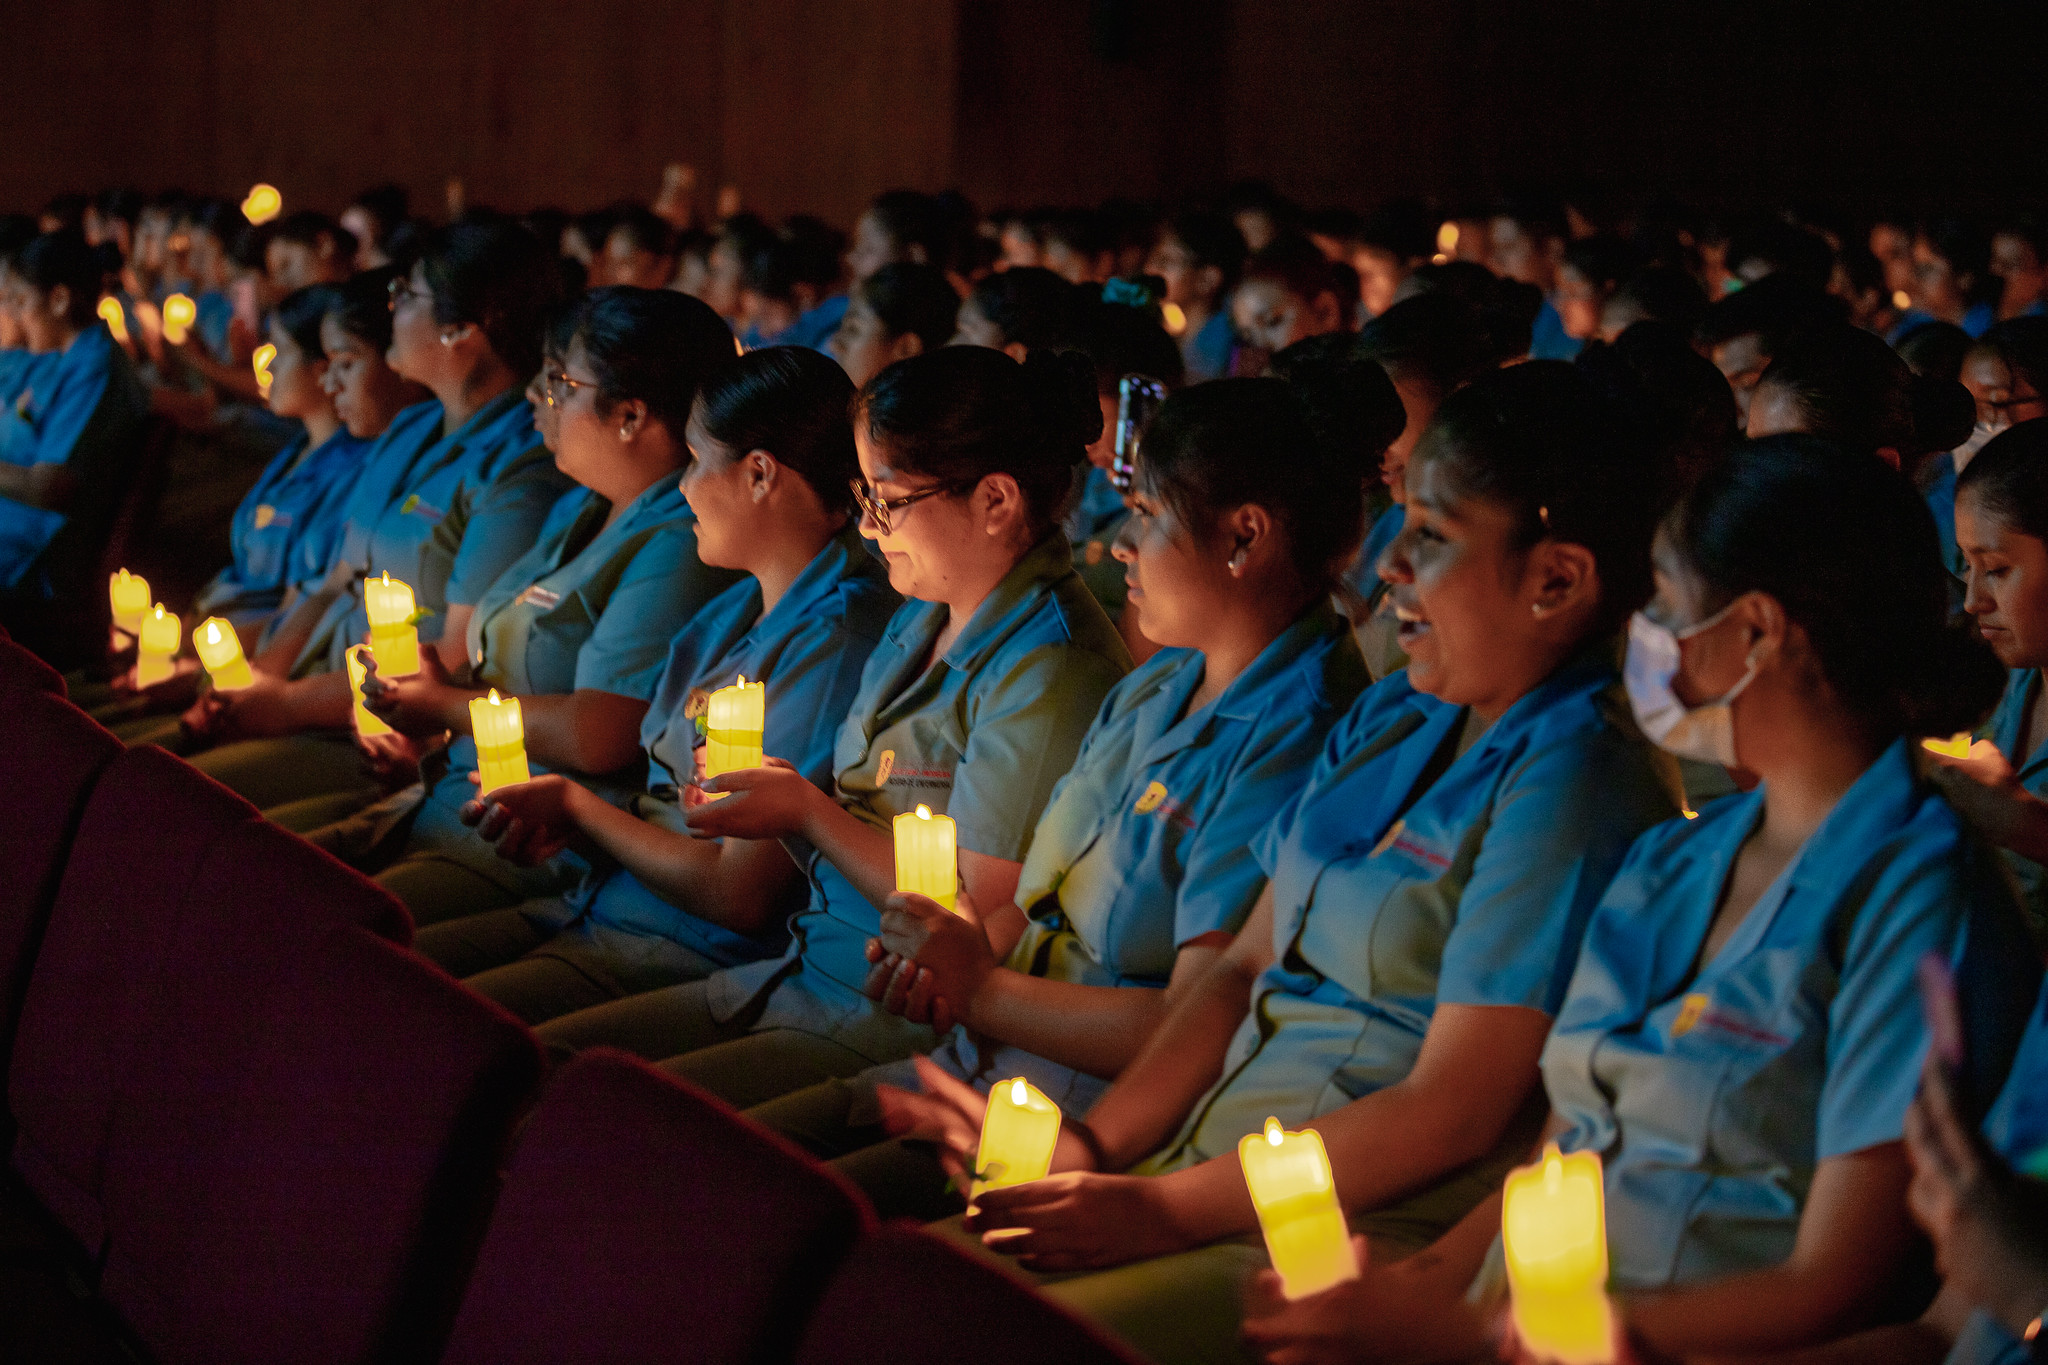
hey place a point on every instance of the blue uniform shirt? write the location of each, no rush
(445, 514)
(1098, 515)
(1548, 339)
(1713, 1097)
(982, 733)
(86, 411)
(2022, 687)
(1395, 890)
(590, 607)
(809, 652)
(1208, 353)
(1146, 844)
(23, 376)
(286, 530)
(2018, 1122)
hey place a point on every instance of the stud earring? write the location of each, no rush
(1236, 565)
(447, 338)
(625, 434)
(1536, 610)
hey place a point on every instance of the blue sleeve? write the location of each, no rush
(661, 589)
(1921, 899)
(1023, 736)
(501, 521)
(1223, 874)
(74, 401)
(1559, 830)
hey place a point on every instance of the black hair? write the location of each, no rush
(124, 204)
(1852, 388)
(806, 251)
(1534, 440)
(1502, 310)
(2022, 343)
(1541, 218)
(1773, 309)
(1781, 248)
(962, 413)
(1967, 249)
(1661, 293)
(1602, 261)
(594, 227)
(63, 257)
(911, 218)
(1033, 306)
(2009, 477)
(655, 345)
(1935, 348)
(1121, 340)
(1433, 337)
(298, 315)
(17, 230)
(215, 217)
(499, 277)
(1402, 228)
(387, 205)
(1657, 387)
(1081, 231)
(1299, 266)
(793, 402)
(361, 306)
(1846, 547)
(1354, 413)
(306, 228)
(1211, 239)
(909, 297)
(2029, 228)
(645, 230)
(68, 210)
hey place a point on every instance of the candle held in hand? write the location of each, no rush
(156, 646)
(180, 312)
(366, 720)
(1554, 1232)
(1018, 1132)
(1306, 1236)
(394, 640)
(927, 857)
(129, 596)
(221, 651)
(500, 742)
(733, 722)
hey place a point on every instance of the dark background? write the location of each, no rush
(816, 104)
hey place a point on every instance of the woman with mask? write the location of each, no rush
(1427, 888)
(1741, 1037)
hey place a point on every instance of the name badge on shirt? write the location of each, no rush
(265, 514)
(1149, 799)
(414, 503)
(885, 766)
(537, 596)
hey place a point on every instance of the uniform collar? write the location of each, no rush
(487, 417)
(1012, 600)
(2021, 687)
(1282, 669)
(844, 556)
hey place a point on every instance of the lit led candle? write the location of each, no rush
(180, 312)
(117, 321)
(156, 646)
(260, 362)
(1306, 1236)
(129, 595)
(221, 651)
(366, 720)
(500, 741)
(927, 858)
(262, 203)
(394, 640)
(1018, 1131)
(1554, 1231)
(733, 721)
(1174, 316)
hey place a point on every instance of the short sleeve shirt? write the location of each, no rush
(285, 532)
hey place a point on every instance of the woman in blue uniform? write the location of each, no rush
(454, 492)
(577, 627)
(901, 310)
(973, 704)
(1140, 871)
(772, 457)
(1742, 1034)
(1428, 886)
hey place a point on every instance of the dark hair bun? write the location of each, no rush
(1943, 414)
(1059, 386)
(1352, 408)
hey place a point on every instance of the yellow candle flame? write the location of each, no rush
(924, 812)
(1274, 1133)
(494, 698)
(1447, 238)
(1018, 1094)
(159, 611)
(261, 362)
(262, 203)
(180, 312)
(212, 633)
(1175, 317)
(116, 320)
(1901, 300)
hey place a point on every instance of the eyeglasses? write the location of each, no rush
(878, 509)
(400, 289)
(557, 386)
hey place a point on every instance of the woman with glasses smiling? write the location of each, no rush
(454, 491)
(578, 626)
(973, 704)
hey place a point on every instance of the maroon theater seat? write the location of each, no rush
(906, 1298)
(643, 1221)
(21, 671)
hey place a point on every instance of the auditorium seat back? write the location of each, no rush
(21, 671)
(642, 1222)
(904, 1297)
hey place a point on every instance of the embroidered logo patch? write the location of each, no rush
(1149, 799)
(537, 596)
(884, 767)
(699, 702)
(1689, 1011)
(265, 514)
(414, 503)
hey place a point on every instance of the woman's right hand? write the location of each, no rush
(949, 1114)
(929, 959)
(528, 822)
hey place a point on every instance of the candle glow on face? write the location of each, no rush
(221, 651)
(1296, 1196)
(129, 596)
(180, 312)
(262, 203)
(500, 735)
(116, 320)
(1018, 1132)
(156, 646)
(927, 856)
(1554, 1234)
(394, 640)
(366, 720)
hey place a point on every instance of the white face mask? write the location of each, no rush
(1705, 732)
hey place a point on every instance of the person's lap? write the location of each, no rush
(272, 772)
